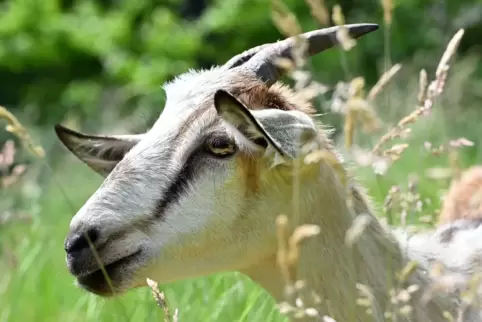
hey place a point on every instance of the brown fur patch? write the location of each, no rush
(257, 96)
(464, 198)
(249, 171)
(278, 96)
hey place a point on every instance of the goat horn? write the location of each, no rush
(246, 55)
(261, 59)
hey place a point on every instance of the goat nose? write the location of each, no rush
(79, 241)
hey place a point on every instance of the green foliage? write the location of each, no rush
(62, 58)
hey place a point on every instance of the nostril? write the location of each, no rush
(80, 241)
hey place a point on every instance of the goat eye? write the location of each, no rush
(221, 147)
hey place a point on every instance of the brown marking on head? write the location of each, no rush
(464, 198)
(248, 169)
(258, 96)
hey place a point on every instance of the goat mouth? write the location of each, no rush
(117, 272)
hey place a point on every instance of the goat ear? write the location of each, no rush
(100, 153)
(285, 131)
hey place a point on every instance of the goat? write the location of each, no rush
(200, 191)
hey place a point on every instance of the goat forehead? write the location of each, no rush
(194, 89)
(196, 83)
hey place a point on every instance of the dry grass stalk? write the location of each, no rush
(287, 258)
(451, 145)
(450, 148)
(391, 199)
(300, 233)
(319, 11)
(304, 85)
(448, 282)
(449, 53)
(9, 177)
(287, 24)
(282, 255)
(400, 297)
(288, 247)
(422, 87)
(357, 108)
(387, 6)
(284, 20)
(342, 35)
(434, 89)
(161, 301)
(382, 81)
(404, 202)
(328, 157)
(366, 298)
(349, 129)
(16, 128)
(357, 228)
(395, 152)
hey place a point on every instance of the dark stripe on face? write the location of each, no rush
(191, 169)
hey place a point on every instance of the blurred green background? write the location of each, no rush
(98, 66)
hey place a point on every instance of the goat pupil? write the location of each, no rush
(221, 146)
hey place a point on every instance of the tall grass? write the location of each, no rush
(35, 284)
